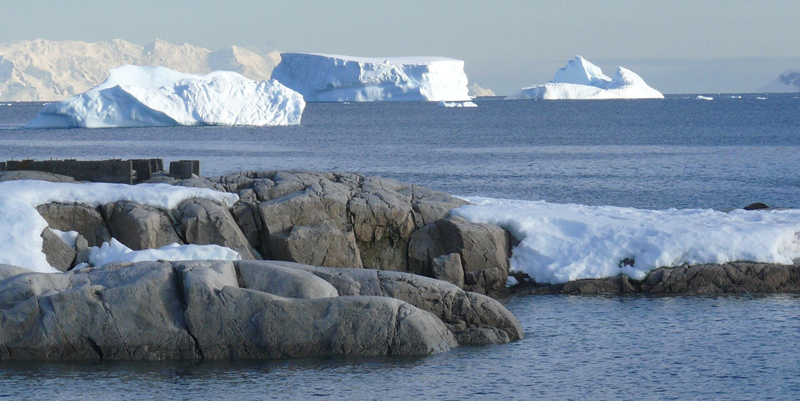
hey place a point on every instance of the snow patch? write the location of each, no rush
(337, 78)
(565, 242)
(69, 237)
(134, 96)
(21, 225)
(114, 251)
(580, 79)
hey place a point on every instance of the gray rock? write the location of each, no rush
(162, 179)
(319, 245)
(249, 221)
(139, 226)
(461, 311)
(448, 268)
(283, 281)
(128, 313)
(201, 182)
(484, 250)
(82, 250)
(33, 175)
(205, 222)
(7, 271)
(383, 221)
(231, 322)
(433, 205)
(59, 254)
(84, 219)
(236, 181)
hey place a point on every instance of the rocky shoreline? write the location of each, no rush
(332, 263)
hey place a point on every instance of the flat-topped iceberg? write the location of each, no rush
(580, 79)
(333, 78)
(135, 96)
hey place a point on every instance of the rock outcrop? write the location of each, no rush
(245, 309)
(736, 277)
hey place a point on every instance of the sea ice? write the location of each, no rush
(564, 242)
(336, 78)
(134, 96)
(21, 225)
(580, 79)
(457, 104)
(701, 97)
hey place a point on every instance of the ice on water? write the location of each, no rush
(135, 96)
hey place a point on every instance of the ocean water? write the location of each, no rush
(679, 152)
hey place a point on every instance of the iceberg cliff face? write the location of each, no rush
(331, 78)
(134, 96)
(580, 79)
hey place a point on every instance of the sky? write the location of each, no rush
(676, 46)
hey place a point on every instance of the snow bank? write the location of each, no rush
(335, 78)
(114, 251)
(580, 79)
(21, 225)
(457, 104)
(564, 242)
(134, 96)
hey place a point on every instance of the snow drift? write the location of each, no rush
(334, 78)
(580, 79)
(21, 225)
(134, 96)
(565, 242)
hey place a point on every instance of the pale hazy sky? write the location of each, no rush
(676, 46)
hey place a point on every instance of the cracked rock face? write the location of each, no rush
(246, 309)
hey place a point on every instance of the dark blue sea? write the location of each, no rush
(678, 152)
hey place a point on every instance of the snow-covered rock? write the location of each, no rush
(787, 82)
(114, 251)
(565, 242)
(580, 79)
(44, 70)
(333, 78)
(134, 96)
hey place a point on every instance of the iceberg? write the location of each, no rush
(457, 104)
(787, 82)
(580, 79)
(335, 78)
(566, 242)
(136, 96)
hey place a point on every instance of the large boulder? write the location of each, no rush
(473, 318)
(58, 253)
(140, 226)
(205, 222)
(84, 219)
(283, 281)
(483, 249)
(33, 175)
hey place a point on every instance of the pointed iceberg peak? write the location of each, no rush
(581, 72)
(580, 79)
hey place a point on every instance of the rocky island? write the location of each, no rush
(320, 263)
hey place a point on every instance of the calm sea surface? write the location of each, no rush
(679, 152)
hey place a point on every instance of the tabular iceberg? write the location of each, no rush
(332, 78)
(580, 79)
(135, 96)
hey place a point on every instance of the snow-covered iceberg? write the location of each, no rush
(565, 242)
(580, 79)
(135, 96)
(334, 78)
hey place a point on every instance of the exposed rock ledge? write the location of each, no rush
(245, 309)
(736, 278)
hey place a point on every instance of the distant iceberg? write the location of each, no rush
(580, 79)
(787, 82)
(134, 96)
(335, 78)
